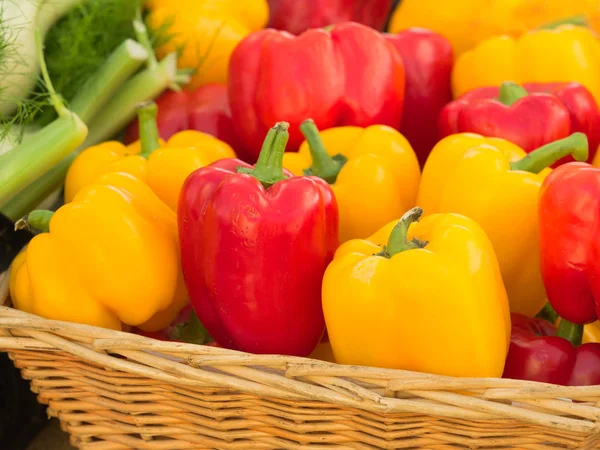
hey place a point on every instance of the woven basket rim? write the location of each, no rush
(288, 378)
(13, 318)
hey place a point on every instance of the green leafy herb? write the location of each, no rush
(79, 43)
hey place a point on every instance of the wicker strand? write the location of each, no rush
(113, 390)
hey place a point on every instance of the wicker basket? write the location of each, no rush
(114, 390)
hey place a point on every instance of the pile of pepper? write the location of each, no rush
(418, 198)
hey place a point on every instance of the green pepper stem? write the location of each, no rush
(323, 165)
(510, 92)
(547, 313)
(149, 137)
(192, 332)
(269, 167)
(398, 240)
(543, 157)
(580, 20)
(570, 331)
(36, 220)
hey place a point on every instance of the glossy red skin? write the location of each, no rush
(536, 354)
(297, 16)
(428, 60)
(254, 259)
(530, 122)
(349, 76)
(568, 209)
(206, 109)
(583, 112)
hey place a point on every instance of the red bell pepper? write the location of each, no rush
(540, 352)
(350, 75)
(206, 109)
(428, 60)
(255, 243)
(478, 111)
(568, 208)
(297, 16)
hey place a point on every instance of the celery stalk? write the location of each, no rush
(37, 153)
(97, 91)
(115, 115)
(34, 156)
(121, 109)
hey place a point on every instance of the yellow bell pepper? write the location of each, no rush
(565, 54)
(430, 300)
(596, 160)
(591, 332)
(374, 173)
(164, 167)
(110, 258)
(496, 183)
(465, 23)
(205, 32)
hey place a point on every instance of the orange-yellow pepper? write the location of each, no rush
(496, 183)
(163, 166)
(465, 23)
(591, 332)
(205, 32)
(567, 53)
(110, 258)
(374, 173)
(424, 296)
(596, 160)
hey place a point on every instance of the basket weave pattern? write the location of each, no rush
(114, 390)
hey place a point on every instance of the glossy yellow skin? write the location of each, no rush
(442, 309)
(207, 30)
(469, 174)
(565, 54)
(165, 170)
(591, 332)
(110, 259)
(465, 23)
(378, 183)
(596, 160)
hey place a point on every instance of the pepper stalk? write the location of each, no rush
(269, 167)
(149, 136)
(570, 331)
(575, 145)
(38, 220)
(323, 166)
(398, 241)
(510, 92)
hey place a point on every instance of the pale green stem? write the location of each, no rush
(115, 115)
(37, 154)
(100, 88)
